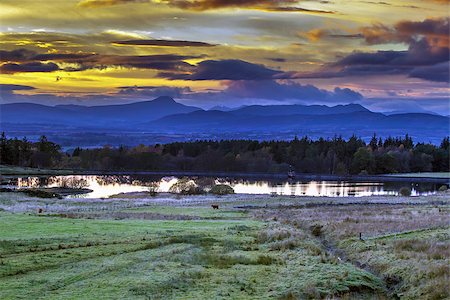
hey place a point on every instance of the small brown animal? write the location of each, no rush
(40, 210)
(215, 206)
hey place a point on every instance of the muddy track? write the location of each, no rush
(331, 248)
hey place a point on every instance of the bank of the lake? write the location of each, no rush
(19, 171)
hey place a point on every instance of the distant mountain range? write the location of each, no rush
(283, 110)
(144, 112)
(93, 116)
(163, 115)
(356, 121)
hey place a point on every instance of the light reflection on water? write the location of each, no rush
(105, 186)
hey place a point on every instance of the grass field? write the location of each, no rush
(251, 248)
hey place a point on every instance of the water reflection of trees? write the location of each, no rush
(113, 179)
(126, 179)
(243, 185)
(71, 182)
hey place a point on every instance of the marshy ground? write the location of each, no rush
(252, 247)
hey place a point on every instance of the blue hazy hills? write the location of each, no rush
(163, 115)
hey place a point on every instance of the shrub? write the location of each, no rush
(153, 189)
(411, 245)
(443, 188)
(221, 189)
(272, 235)
(405, 191)
(185, 186)
(205, 182)
(265, 260)
(288, 244)
(316, 230)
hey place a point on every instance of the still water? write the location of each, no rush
(105, 186)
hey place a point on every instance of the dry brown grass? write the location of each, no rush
(406, 245)
(348, 221)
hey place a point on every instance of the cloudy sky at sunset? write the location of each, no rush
(390, 55)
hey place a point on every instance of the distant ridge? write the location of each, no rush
(361, 123)
(93, 115)
(272, 110)
(164, 115)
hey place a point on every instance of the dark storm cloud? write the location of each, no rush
(426, 66)
(68, 57)
(16, 55)
(439, 27)
(273, 90)
(10, 68)
(22, 55)
(438, 72)
(435, 31)
(277, 59)
(243, 92)
(154, 91)
(420, 58)
(417, 55)
(377, 58)
(164, 43)
(427, 56)
(165, 62)
(230, 69)
(22, 60)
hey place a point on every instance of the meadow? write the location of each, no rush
(253, 247)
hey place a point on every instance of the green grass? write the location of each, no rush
(198, 211)
(79, 249)
(415, 263)
(219, 256)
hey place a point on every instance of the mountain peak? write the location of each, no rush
(164, 99)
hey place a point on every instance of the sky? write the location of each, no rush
(390, 55)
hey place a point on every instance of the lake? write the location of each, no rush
(103, 186)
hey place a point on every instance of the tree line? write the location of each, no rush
(40, 154)
(325, 156)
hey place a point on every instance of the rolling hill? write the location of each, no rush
(92, 116)
(164, 117)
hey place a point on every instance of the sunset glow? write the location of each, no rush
(209, 53)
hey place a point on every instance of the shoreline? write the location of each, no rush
(279, 176)
(399, 177)
(283, 176)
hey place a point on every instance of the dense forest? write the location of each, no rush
(332, 156)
